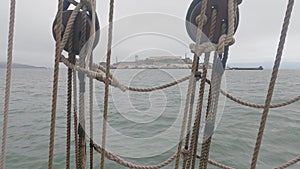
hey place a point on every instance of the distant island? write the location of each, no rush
(20, 66)
(156, 62)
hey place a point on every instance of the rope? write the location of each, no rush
(191, 87)
(99, 76)
(109, 45)
(219, 164)
(69, 104)
(272, 82)
(128, 164)
(75, 119)
(58, 31)
(158, 87)
(81, 76)
(212, 110)
(8, 81)
(289, 163)
(114, 82)
(293, 100)
(196, 128)
(91, 82)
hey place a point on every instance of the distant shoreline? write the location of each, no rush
(20, 66)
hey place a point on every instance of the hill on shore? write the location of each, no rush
(20, 66)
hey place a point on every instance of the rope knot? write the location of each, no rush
(202, 48)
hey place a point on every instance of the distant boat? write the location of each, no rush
(246, 68)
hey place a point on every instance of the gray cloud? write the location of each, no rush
(256, 38)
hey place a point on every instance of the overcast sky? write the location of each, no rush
(150, 27)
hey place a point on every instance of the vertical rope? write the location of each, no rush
(272, 82)
(81, 76)
(8, 81)
(211, 114)
(109, 45)
(191, 83)
(196, 128)
(75, 119)
(91, 82)
(58, 32)
(69, 101)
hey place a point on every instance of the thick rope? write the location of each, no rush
(215, 87)
(211, 113)
(109, 45)
(128, 164)
(69, 104)
(196, 128)
(192, 82)
(158, 87)
(272, 82)
(58, 32)
(8, 81)
(289, 163)
(75, 119)
(253, 105)
(69, 27)
(219, 164)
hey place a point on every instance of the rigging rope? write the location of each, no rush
(272, 82)
(8, 81)
(289, 163)
(91, 82)
(198, 50)
(128, 164)
(75, 118)
(192, 82)
(58, 32)
(253, 105)
(109, 45)
(69, 102)
(82, 83)
(114, 82)
(196, 128)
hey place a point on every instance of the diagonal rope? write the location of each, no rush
(272, 82)
(289, 163)
(58, 31)
(109, 45)
(8, 81)
(128, 164)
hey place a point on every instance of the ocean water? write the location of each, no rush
(144, 127)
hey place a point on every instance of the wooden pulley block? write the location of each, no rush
(77, 30)
(221, 6)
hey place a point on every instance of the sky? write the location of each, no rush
(150, 28)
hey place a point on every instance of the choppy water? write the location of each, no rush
(147, 125)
